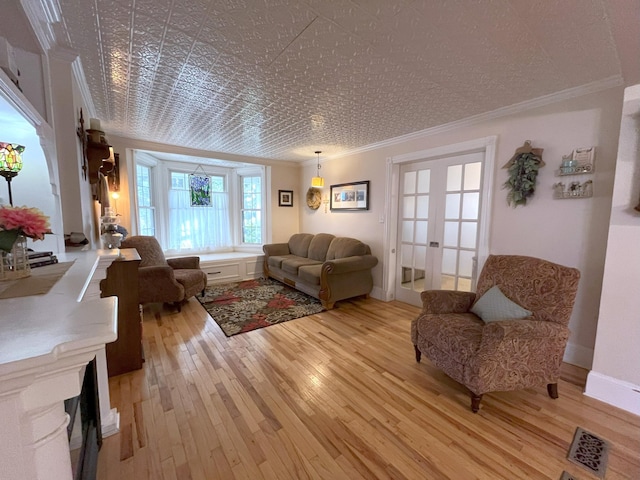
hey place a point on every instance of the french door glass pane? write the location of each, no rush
(468, 234)
(410, 183)
(422, 210)
(470, 205)
(407, 231)
(409, 206)
(424, 179)
(452, 206)
(454, 178)
(466, 263)
(449, 261)
(421, 231)
(472, 174)
(450, 234)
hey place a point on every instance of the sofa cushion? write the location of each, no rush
(276, 260)
(319, 246)
(292, 263)
(342, 247)
(494, 306)
(310, 274)
(299, 244)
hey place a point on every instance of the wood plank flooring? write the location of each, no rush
(337, 395)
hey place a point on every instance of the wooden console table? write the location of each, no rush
(125, 354)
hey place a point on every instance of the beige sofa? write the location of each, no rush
(324, 266)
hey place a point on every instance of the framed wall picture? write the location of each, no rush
(285, 198)
(200, 186)
(350, 196)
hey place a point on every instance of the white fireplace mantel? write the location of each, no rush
(45, 342)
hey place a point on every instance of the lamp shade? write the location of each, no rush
(317, 182)
(11, 157)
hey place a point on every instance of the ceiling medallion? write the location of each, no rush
(314, 198)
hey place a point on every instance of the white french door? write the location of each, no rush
(439, 215)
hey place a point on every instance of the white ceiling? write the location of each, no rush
(280, 79)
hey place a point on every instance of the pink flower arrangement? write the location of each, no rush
(26, 221)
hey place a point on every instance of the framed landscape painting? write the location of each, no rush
(350, 196)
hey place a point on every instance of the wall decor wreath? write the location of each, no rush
(523, 171)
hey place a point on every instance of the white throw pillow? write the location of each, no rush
(494, 306)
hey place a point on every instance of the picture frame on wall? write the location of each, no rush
(200, 189)
(285, 198)
(350, 196)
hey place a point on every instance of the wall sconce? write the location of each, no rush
(10, 163)
(95, 149)
(318, 181)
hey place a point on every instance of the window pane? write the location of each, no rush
(449, 261)
(454, 178)
(251, 209)
(472, 172)
(406, 256)
(420, 256)
(466, 263)
(424, 179)
(408, 209)
(470, 204)
(410, 182)
(421, 231)
(450, 234)
(407, 231)
(452, 206)
(423, 207)
(468, 235)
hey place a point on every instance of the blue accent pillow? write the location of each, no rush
(494, 306)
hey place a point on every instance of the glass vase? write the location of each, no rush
(15, 264)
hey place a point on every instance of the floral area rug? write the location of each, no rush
(252, 304)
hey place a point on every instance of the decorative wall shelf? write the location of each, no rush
(580, 162)
(577, 170)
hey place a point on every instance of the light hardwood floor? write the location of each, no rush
(336, 395)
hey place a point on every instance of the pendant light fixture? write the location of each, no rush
(318, 181)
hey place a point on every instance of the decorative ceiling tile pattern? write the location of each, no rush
(280, 79)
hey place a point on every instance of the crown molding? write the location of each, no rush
(83, 86)
(570, 93)
(43, 15)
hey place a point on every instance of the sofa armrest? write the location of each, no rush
(446, 301)
(349, 264)
(184, 262)
(273, 249)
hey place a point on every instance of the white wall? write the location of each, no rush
(570, 232)
(615, 377)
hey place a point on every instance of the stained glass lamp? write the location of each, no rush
(10, 163)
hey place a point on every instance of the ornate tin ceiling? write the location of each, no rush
(280, 79)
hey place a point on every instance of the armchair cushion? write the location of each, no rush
(494, 306)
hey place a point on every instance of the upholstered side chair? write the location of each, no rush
(172, 280)
(516, 346)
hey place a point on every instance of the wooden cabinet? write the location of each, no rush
(125, 354)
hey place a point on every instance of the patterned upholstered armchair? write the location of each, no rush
(160, 280)
(502, 354)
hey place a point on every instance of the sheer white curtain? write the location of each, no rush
(198, 228)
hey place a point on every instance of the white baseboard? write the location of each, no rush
(615, 392)
(110, 423)
(378, 294)
(578, 355)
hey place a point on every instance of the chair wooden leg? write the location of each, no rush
(418, 353)
(475, 402)
(552, 389)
